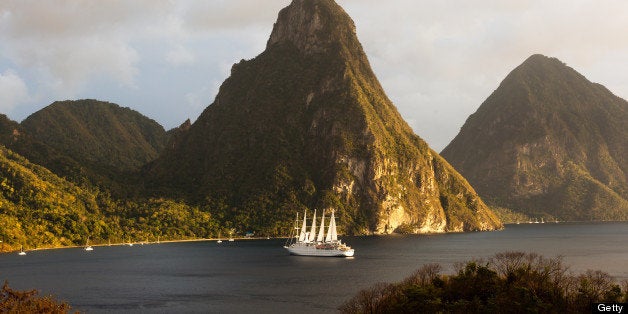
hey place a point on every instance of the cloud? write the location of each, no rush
(13, 91)
(180, 55)
(231, 15)
(437, 59)
(440, 59)
(200, 99)
(71, 43)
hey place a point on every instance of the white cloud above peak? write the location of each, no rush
(13, 90)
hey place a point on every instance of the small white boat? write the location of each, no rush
(87, 246)
(22, 253)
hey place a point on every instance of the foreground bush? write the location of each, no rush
(510, 282)
(13, 301)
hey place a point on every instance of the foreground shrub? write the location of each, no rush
(509, 282)
(13, 301)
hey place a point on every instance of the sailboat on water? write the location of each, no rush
(87, 246)
(317, 244)
(22, 253)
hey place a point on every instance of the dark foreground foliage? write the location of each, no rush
(13, 301)
(509, 282)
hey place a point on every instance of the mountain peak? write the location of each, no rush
(313, 26)
(545, 133)
(542, 68)
(306, 124)
(538, 58)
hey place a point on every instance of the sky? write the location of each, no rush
(437, 60)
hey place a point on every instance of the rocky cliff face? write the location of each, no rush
(548, 142)
(306, 124)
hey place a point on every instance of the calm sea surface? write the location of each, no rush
(258, 276)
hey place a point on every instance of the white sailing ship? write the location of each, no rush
(317, 244)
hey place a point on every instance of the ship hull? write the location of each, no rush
(307, 250)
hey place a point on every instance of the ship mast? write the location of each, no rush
(321, 232)
(312, 236)
(334, 232)
(302, 235)
(329, 229)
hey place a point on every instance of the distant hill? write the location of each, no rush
(98, 134)
(88, 142)
(548, 142)
(306, 124)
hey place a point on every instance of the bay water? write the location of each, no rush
(259, 276)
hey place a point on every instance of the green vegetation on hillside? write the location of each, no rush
(510, 282)
(38, 210)
(509, 216)
(98, 134)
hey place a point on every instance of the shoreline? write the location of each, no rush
(140, 243)
(265, 238)
(564, 222)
